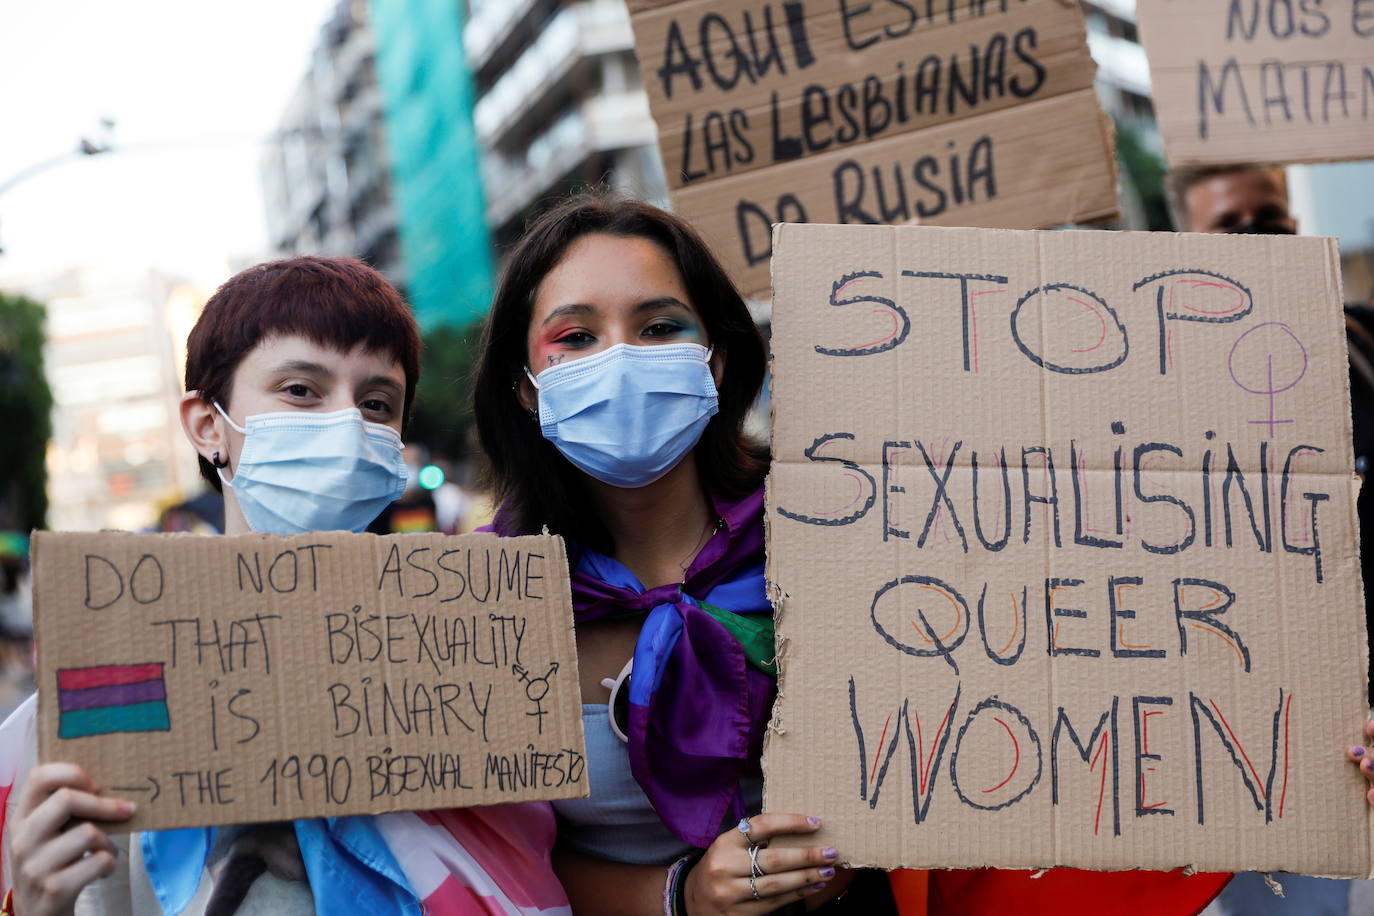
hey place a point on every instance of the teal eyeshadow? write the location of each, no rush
(684, 327)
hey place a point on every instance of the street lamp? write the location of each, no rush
(101, 143)
(87, 146)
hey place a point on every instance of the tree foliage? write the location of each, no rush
(1145, 170)
(442, 419)
(25, 415)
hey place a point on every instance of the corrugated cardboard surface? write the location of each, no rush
(1265, 82)
(809, 111)
(231, 679)
(1138, 668)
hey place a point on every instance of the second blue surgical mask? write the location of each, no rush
(302, 471)
(628, 414)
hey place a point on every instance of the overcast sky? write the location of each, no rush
(208, 76)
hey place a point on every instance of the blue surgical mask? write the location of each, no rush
(302, 472)
(628, 415)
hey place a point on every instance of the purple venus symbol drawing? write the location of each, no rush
(1268, 360)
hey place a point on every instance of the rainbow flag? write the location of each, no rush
(111, 698)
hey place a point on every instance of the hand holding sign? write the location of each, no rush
(1363, 757)
(57, 847)
(730, 881)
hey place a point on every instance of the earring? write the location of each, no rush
(217, 462)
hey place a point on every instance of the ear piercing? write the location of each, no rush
(217, 462)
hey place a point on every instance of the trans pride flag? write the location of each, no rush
(111, 698)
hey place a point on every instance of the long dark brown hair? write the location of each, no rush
(534, 484)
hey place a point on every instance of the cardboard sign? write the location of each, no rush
(1062, 533)
(218, 680)
(1263, 81)
(968, 113)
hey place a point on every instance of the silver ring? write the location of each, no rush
(743, 827)
(755, 870)
(754, 888)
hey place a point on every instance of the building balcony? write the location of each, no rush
(1120, 63)
(491, 27)
(365, 174)
(360, 110)
(598, 125)
(1121, 9)
(537, 84)
(374, 226)
(357, 51)
(307, 203)
(620, 120)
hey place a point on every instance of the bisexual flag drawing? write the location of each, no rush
(111, 698)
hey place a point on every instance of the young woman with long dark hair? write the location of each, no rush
(618, 369)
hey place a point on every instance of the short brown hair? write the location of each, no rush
(333, 302)
(535, 484)
(1177, 184)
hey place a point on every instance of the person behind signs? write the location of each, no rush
(1253, 200)
(300, 375)
(618, 366)
(1240, 199)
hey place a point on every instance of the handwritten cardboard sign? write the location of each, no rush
(1267, 81)
(980, 112)
(1062, 533)
(218, 680)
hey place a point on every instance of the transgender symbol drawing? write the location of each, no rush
(1268, 360)
(536, 688)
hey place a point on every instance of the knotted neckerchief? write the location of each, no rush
(701, 687)
(703, 676)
